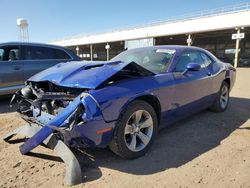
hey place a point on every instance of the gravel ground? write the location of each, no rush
(205, 150)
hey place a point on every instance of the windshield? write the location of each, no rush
(154, 60)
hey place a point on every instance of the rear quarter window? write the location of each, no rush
(206, 59)
(36, 53)
(60, 54)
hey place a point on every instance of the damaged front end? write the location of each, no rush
(66, 112)
(61, 118)
(59, 104)
(59, 101)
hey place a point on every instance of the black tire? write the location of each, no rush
(119, 144)
(217, 105)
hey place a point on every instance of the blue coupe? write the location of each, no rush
(123, 102)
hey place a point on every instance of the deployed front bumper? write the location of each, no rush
(92, 132)
(58, 132)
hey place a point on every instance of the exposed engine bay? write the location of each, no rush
(40, 102)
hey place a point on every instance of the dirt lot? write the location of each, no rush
(206, 150)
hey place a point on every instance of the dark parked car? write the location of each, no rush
(19, 61)
(244, 61)
(122, 103)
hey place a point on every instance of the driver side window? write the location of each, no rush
(188, 57)
(9, 53)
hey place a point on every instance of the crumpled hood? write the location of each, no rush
(79, 74)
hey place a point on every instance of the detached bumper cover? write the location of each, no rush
(50, 132)
(84, 135)
(73, 173)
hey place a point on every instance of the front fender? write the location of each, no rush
(114, 98)
(92, 108)
(135, 97)
(111, 109)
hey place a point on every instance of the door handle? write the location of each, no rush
(16, 68)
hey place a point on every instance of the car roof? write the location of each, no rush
(31, 44)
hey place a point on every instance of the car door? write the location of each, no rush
(38, 58)
(11, 69)
(192, 88)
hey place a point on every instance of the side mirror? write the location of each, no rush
(193, 67)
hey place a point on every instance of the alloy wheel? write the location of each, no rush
(138, 130)
(224, 97)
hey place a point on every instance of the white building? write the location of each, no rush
(210, 29)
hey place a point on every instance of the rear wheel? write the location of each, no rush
(221, 102)
(135, 130)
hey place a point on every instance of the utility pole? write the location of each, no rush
(77, 50)
(91, 52)
(189, 40)
(237, 36)
(107, 48)
(236, 57)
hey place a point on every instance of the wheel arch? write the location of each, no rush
(227, 80)
(151, 99)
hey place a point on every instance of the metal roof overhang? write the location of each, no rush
(192, 25)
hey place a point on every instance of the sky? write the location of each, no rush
(56, 19)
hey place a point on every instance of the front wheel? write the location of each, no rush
(135, 130)
(221, 102)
